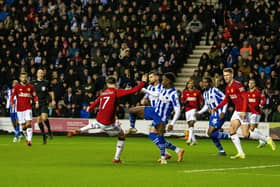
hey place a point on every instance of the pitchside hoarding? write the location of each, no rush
(66, 124)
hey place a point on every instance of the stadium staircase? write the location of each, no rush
(192, 61)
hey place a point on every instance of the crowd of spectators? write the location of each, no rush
(80, 42)
(248, 40)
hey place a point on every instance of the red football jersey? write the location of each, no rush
(192, 98)
(107, 103)
(255, 99)
(24, 94)
(236, 92)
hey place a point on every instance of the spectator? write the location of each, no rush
(276, 115)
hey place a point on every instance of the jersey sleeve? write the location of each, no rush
(94, 104)
(177, 108)
(123, 92)
(224, 101)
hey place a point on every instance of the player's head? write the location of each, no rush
(190, 84)
(228, 75)
(111, 82)
(252, 84)
(14, 83)
(23, 77)
(207, 82)
(40, 74)
(168, 79)
(153, 77)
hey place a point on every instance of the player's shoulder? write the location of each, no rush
(237, 83)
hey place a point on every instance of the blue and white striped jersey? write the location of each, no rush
(168, 101)
(212, 97)
(153, 97)
(8, 103)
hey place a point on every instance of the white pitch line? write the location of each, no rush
(228, 169)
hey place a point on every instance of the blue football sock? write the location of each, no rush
(220, 135)
(162, 144)
(217, 143)
(132, 119)
(17, 132)
(154, 138)
(170, 145)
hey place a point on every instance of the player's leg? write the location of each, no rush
(180, 152)
(191, 119)
(255, 133)
(29, 130)
(41, 126)
(234, 125)
(21, 121)
(133, 114)
(14, 120)
(93, 125)
(191, 139)
(254, 128)
(160, 128)
(215, 135)
(44, 114)
(119, 147)
(45, 120)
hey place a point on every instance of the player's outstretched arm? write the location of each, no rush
(123, 92)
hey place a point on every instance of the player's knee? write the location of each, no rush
(246, 134)
(160, 128)
(121, 136)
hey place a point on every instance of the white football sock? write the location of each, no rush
(257, 136)
(87, 127)
(190, 134)
(256, 130)
(29, 134)
(193, 136)
(177, 150)
(119, 149)
(236, 141)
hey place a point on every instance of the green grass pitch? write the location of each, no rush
(86, 161)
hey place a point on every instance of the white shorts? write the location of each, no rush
(111, 130)
(235, 116)
(190, 115)
(24, 116)
(254, 118)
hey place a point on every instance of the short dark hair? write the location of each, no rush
(153, 72)
(170, 76)
(111, 80)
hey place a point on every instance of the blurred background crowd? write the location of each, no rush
(79, 43)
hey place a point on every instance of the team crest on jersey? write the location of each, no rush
(253, 95)
(231, 90)
(194, 94)
(43, 88)
(164, 99)
(28, 89)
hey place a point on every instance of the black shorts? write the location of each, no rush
(43, 108)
